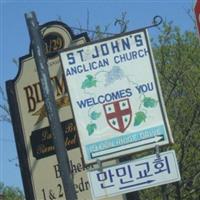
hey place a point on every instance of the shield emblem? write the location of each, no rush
(118, 114)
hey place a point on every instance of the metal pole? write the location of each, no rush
(164, 192)
(132, 195)
(50, 104)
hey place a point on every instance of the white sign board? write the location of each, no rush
(115, 96)
(134, 175)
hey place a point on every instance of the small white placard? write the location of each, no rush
(134, 175)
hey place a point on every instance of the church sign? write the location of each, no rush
(116, 97)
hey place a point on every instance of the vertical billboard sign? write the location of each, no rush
(197, 14)
(36, 152)
(116, 97)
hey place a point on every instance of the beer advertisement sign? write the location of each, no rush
(34, 140)
(115, 95)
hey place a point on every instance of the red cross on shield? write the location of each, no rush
(118, 114)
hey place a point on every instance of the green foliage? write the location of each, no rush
(89, 82)
(149, 102)
(95, 115)
(139, 118)
(177, 57)
(11, 193)
(90, 128)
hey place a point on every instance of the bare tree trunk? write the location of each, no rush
(178, 191)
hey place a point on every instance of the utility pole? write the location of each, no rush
(50, 104)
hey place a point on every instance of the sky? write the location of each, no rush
(14, 42)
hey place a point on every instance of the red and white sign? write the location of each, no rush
(118, 114)
(197, 14)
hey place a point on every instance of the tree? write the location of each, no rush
(11, 193)
(177, 57)
(4, 114)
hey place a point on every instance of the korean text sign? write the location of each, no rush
(115, 96)
(134, 175)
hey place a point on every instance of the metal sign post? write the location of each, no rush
(50, 104)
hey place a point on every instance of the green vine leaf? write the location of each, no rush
(91, 128)
(149, 102)
(89, 82)
(95, 115)
(139, 118)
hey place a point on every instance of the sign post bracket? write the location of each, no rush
(99, 165)
(157, 151)
(157, 20)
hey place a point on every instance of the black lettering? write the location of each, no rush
(73, 167)
(81, 54)
(138, 40)
(30, 98)
(87, 185)
(57, 171)
(60, 85)
(96, 51)
(125, 44)
(81, 186)
(71, 59)
(115, 46)
(37, 90)
(104, 49)
(44, 194)
(60, 192)
(79, 167)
